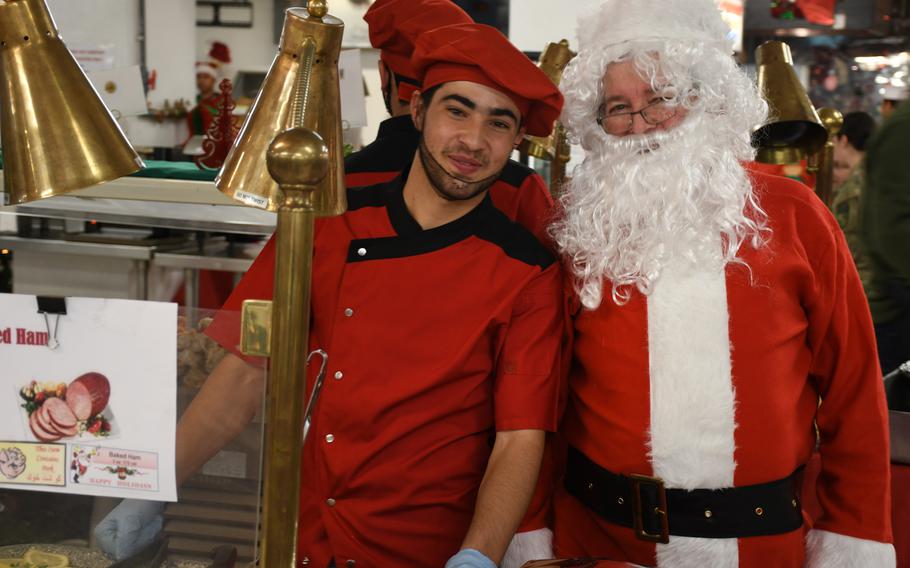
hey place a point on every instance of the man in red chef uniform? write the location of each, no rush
(518, 192)
(717, 308)
(442, 319)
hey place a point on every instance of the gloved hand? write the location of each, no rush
(469, 558)
(129, 527)
(528, 546)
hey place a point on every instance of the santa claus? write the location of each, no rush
(721, 335)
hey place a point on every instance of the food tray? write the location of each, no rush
(81, 557)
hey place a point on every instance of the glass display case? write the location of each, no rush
(215, 518)
(213, 522)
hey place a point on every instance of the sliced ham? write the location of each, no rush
(63, 419)
(88, 395)
(40, 433)
(43, 418)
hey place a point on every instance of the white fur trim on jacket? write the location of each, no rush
(826, 549)
(692, 398)
(527, 546)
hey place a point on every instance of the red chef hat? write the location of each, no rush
(481, 54)
(394, 27)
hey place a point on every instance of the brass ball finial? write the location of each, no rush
(317, 8)
(298, 158)
(832, 120)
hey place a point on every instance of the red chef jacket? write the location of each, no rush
(436, 340)
(519, 192)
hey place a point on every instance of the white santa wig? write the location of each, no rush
(636, 195)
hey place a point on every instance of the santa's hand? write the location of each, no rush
(129, 527)
(470, 558)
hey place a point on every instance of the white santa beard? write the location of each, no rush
(637, 201)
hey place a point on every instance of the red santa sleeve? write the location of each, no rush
(854, 483)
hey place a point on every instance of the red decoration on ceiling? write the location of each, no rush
(785, 10)
(817, 11)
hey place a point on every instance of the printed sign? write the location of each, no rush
(33, 464)
(109, 467)
(94, 57)
(88, 398)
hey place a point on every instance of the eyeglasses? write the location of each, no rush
(621, 122)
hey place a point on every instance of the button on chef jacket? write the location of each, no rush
(436, 339)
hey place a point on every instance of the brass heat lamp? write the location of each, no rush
(288, 158)
(301, 74)
(833, 120)
(57, 134)
(555, 147)
(795, 130)
(552, 62)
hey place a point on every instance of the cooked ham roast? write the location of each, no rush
(88, 395)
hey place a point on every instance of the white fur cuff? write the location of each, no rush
(831, 550)
(527, 546)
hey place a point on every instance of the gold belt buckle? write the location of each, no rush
(660, 510)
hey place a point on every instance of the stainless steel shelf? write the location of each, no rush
(55, 246)
(150, 202)
(197, 262)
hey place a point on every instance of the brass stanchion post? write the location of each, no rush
(832, 120)
(298, 159)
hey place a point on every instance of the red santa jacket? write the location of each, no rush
(714, 380)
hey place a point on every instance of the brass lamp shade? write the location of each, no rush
(795, 130)
(57, 134)
(245, 176)
(552, 62)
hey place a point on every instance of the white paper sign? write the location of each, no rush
(94, 57)
(121, 90)
(97, 414)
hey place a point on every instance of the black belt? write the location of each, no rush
(643, 503)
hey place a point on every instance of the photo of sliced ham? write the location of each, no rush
(39, 432)
(61, 417)
(88, 395)
(44, 421)
(59, 412)
(79, 408)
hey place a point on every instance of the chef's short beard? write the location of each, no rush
(449, 186)
(638, 200)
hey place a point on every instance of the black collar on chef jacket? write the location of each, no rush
(484, 221)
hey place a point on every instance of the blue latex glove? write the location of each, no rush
(129, 527)
(469, 558)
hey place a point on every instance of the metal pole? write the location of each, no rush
(298, 160)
